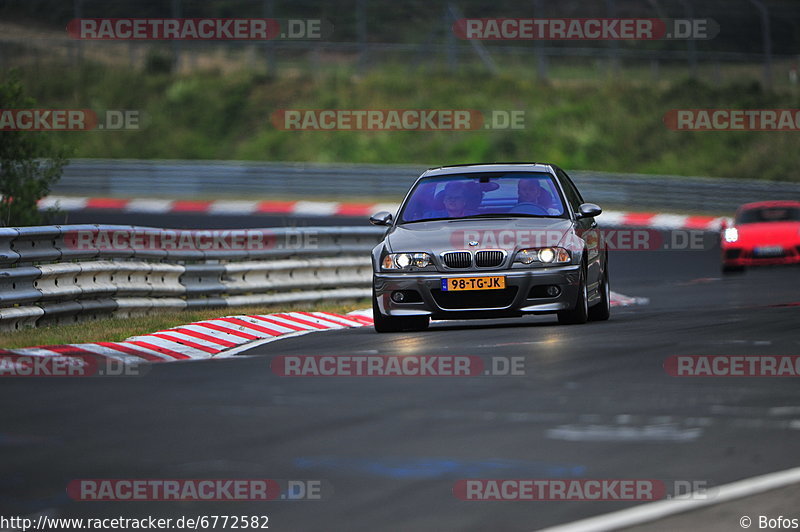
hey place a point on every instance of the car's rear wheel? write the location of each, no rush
(580, 313)
(389, 324)
(602, 310)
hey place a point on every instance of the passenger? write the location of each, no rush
(533, 198)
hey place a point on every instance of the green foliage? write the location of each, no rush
(158, 62)
(608, 125)
(30, 163)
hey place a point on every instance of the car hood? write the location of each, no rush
(491, 233)
(768, 233)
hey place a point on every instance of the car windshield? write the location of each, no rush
(769, 214)
(484, 195)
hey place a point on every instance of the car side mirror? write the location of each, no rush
(381, 218)
(589, 210)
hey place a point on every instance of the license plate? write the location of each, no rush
(474, 283)
(768, 251)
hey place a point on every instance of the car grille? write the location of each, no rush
(457, 259)
(487, 259)
(733, 253)
(475, 298)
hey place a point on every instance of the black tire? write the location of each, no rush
(727, 270)
(602, 310)
(579, 314)
(390, 324)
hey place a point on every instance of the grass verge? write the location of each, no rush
(118, 329)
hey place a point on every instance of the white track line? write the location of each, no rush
(653, 511)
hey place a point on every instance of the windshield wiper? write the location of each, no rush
(504, 215)
(423, 220)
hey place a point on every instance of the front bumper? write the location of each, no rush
(732, 256)
(515, 300)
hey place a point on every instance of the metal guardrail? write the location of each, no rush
(51, 275)
(218, 179)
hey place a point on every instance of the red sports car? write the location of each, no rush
(763, 233)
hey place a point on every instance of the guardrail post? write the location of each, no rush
(7, 254)
(16, 286)
(766, 37)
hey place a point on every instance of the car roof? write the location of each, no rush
(774, 203)
(488, 167)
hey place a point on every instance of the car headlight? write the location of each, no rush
(543, 255)
(731, 234)
(405, 261)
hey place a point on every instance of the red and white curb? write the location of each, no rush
(226, 207)
(224, 337)
(204, 339)
(328, 208)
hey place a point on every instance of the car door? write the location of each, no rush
(588, 230)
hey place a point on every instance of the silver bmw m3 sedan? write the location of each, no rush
(489, 241)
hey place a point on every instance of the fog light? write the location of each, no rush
(553, 291)
(398, 297)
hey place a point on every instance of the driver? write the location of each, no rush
(454, 200)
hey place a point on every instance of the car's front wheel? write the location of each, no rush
(389, 324)
(727, 269)
(580, 313)
(602, 310)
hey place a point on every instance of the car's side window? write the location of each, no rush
(573, 196)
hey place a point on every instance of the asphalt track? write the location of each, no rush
(595, 403)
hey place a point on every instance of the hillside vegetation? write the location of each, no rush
(605, 125)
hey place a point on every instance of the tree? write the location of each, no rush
(30, 162)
